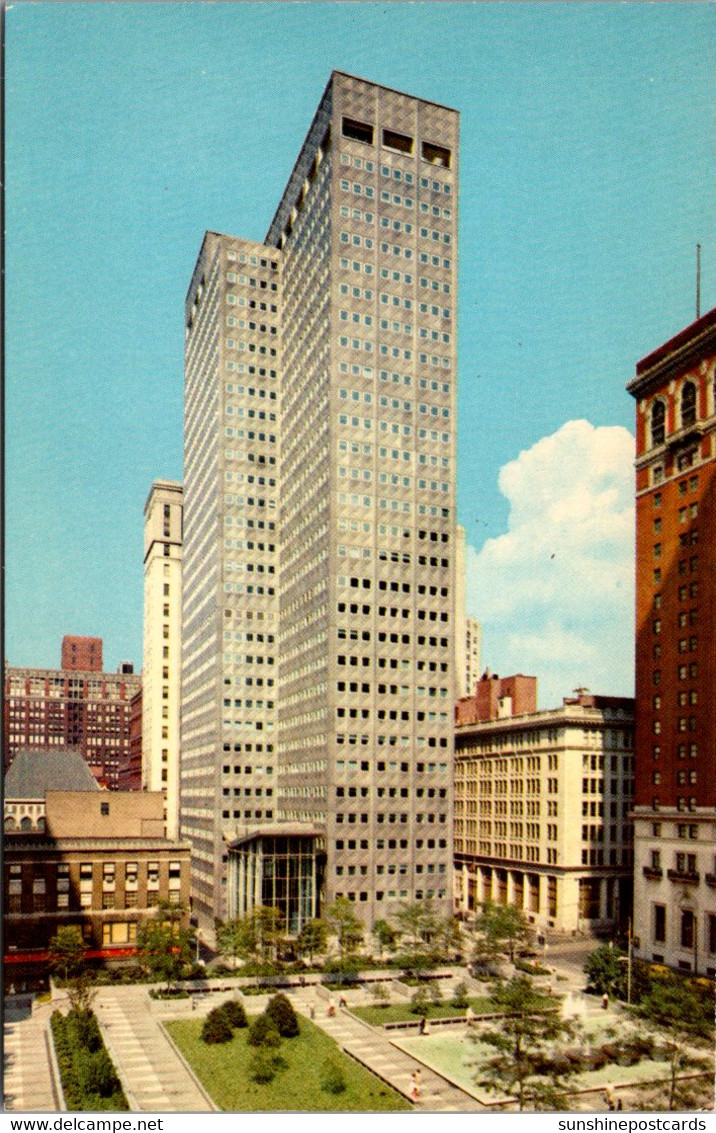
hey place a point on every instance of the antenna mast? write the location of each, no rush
(698, 281)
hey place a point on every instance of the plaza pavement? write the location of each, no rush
(157, 1079)
(28, 1080)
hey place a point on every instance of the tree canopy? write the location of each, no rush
(164, 944)
(530, 1022)
(66, 952)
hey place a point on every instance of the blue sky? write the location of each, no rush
(586, 182)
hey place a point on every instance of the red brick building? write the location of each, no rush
(86, 710)
(82, 654)
(496, 696)
(675, 782)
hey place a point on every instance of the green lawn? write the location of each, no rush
(401, 1013)
(222, 1069)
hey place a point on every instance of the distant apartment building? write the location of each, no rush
(675, 794)
(84, 709)
(161, 663)
(77, 855)
(82, 654)
(129, 772)
(541, 805)
(319, 536)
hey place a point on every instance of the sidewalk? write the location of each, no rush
(28, 1083)
(373, 1049)
(154, 1076)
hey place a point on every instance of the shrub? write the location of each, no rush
(332, 1077)
(89, 1079)
(216, 1028)
(263, 1032)
(83, 1030)
(234, 1013)
(419, 1004)
(435, 993)
(261, 1066)
(280, 1010)
(459, 997)
(380, 994)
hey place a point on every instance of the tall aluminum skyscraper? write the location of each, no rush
(319, 577)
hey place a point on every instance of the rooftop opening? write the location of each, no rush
(359, 131)
(400, 142)
(436, 155)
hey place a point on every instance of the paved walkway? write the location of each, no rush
(28, 1084)
(373, 1049)
(154, 1076)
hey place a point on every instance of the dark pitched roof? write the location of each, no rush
(34, 771)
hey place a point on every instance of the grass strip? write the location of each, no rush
(223, 1070)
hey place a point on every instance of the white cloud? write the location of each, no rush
(555, 593)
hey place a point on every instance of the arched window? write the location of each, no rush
(688, 404)
(658, 423)
(10, 824)
(26, 823)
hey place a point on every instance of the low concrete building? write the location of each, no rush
(541, 805)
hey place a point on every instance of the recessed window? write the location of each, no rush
(658, 423)
(358, 131)
(688, 404)
(401, 142)
(436, 155)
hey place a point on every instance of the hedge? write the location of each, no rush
(89, 1079)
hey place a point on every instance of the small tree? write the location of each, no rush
(267, 927)
(447, 934)
(216, 1027)
(234, 1014)
(312, 939)
(504, 927)
(236, 938)
(420, 1001)
(263, 1032)
(385, 934)
(81, 993)
(435, 993)
(380, 994)
(164, 945)
(280, 1011)
(66, 952)
(530, 1023)
(460, 996)
(604, 968)
(418, 921)
(344, 922)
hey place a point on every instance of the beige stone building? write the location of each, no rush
(319, 578)
(78, 855)
(161, 670)
(541, 806)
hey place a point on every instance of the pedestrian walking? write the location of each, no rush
(605, 1001)
(415, 1092)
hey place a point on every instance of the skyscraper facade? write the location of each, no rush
(229, 604)
(161, 666)
(355, 373)
(675, 784)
